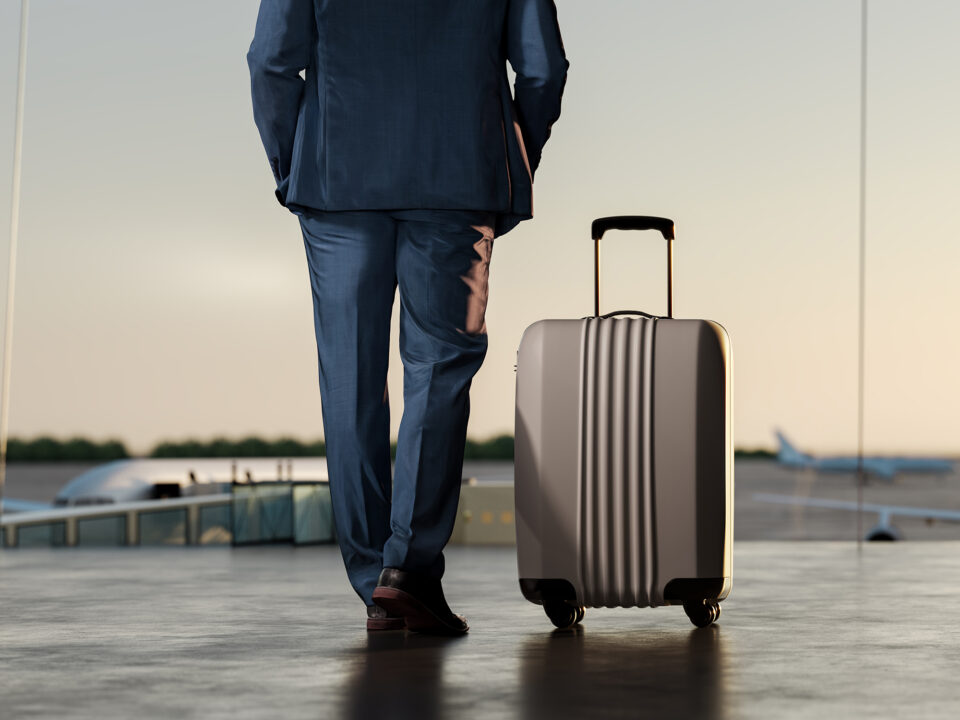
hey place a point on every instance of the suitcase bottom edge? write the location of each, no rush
(675, 592)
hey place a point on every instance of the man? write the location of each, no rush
(404, 154)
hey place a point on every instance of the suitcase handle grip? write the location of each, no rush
(631, 222)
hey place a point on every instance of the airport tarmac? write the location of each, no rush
(753, 520)
(811, 629)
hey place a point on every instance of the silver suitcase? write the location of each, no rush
(624, 457)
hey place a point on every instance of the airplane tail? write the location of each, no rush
(789, 455)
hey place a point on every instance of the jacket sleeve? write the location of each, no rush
(535, 51)
(282, 46)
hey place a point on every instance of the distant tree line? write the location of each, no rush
(497, 448)
(755, 454)
(78, 449)
(75, 449)
(251, 446)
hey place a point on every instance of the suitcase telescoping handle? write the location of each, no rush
(631, 222)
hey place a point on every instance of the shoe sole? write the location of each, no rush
(391, 623)
(418, 617)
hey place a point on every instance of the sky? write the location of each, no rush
(163, 294)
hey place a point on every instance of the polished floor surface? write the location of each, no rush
(812, 630)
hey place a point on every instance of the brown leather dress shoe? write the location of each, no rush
(380, 619)
(419, 599)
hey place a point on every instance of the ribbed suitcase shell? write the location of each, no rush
(624, 461)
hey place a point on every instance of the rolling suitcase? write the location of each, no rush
(624, 457)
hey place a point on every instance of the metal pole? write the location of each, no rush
(596, 278)
(14, 230)
(861, 334)
(670, 278)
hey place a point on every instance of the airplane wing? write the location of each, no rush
(884, 530)
(12, 505)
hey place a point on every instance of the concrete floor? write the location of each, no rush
(810, 630)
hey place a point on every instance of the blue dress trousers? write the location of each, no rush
(403, 153)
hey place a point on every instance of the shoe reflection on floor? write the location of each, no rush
(398, 675)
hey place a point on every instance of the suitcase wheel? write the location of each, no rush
(562, 613)
(702, 613)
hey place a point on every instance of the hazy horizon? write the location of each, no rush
(162, 293)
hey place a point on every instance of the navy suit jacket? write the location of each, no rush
(406, 103)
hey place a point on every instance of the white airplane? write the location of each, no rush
(886, 467)
(154, 478)
(884, 529)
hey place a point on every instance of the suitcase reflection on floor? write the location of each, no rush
(572, 673)
(579, 673)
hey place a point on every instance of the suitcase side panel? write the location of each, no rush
(693, 458)
(675, 451)
(714, 453)
(546, 452)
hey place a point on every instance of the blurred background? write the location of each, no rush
(162, 293)
(163, 307)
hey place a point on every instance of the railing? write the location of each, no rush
(252, 513)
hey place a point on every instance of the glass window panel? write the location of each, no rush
(42, 535)
(313, 514)
(163, 527)
(245, 515)
(262, 512)
(102, 531)
(276, 512)
(214, 527)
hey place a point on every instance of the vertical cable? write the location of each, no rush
(861, 335)
(12, 262)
